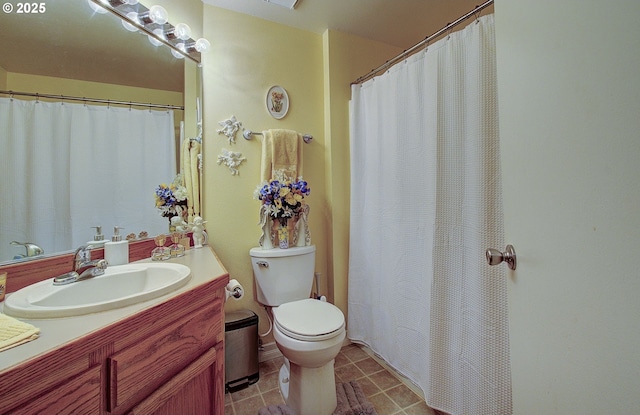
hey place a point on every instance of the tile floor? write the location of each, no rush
(383, 389)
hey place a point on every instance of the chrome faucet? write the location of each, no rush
(32, 249)
(83, 267)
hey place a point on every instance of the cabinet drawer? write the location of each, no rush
(141, 368)
(78, 395)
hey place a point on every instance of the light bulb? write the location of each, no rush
(96, 7)
(183, 31)
(203, 45)
(180, 31)
(153, 40)
(158, 14)
(133, 16)
(177, 54)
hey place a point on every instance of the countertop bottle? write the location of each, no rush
(98, 238)
(116, 252)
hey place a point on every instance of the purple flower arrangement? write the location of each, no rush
(283, 199)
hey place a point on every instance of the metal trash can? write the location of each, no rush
(241, 350)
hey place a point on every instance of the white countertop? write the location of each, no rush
(58, 331)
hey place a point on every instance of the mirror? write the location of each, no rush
(70, 41)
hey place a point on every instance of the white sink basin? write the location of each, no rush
(119, 286)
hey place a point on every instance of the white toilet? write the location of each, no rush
(308, 332)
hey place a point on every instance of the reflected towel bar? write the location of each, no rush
(248, 133)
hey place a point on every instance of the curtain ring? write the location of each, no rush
(61, 100)
(37, 98)
(129, 105)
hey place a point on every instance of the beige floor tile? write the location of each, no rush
(354, 353)
(384, 380)
(348, 372)
(268, 382)
(273, 397)
(249, 406)
(383, 404)
(341, 360)
(419, 408)
(403, 396)
(245, 393)
(368, 387)
(369, 366)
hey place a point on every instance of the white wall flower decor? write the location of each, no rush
(232, 160)
(229, 128)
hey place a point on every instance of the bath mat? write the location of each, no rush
(351, 401)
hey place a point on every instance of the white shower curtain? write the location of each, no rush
(425, 205)
(66, 167)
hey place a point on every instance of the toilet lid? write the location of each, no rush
(309, 319)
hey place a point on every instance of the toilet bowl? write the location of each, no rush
(309, 333)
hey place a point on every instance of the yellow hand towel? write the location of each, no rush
(14, 332)
(281, 155)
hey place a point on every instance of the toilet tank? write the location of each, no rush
(283, 275)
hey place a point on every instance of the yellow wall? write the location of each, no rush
(250, 55)
(71, 87)
(3, 78)
(346, 57)
(189, 12)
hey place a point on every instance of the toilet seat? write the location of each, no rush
(309, 320)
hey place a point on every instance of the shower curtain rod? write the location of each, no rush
(418, 45)
(94, 100)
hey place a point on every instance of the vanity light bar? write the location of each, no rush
(136, 15)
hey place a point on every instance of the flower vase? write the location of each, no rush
(283, 236)
(172, 226)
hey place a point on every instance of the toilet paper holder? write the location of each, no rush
(234, 289)
(495, 257)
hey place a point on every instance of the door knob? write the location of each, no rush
(495, 257)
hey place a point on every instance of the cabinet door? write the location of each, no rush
(78, 395)
(190, 392)
(140, 369)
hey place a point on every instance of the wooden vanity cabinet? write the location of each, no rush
(168, 359)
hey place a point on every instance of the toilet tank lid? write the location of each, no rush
(258, 252)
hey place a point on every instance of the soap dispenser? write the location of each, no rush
(116, 252)
(98, 238)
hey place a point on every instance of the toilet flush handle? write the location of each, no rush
(264, 264)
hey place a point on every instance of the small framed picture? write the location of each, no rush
(277, 102)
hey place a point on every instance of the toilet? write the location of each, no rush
(308, 332)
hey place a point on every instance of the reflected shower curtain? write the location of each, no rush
(67, 167)
(425, 205)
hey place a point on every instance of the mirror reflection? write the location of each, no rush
(67, 166)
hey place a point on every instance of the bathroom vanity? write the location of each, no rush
(163, 356)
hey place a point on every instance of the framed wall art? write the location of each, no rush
(277, 102)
